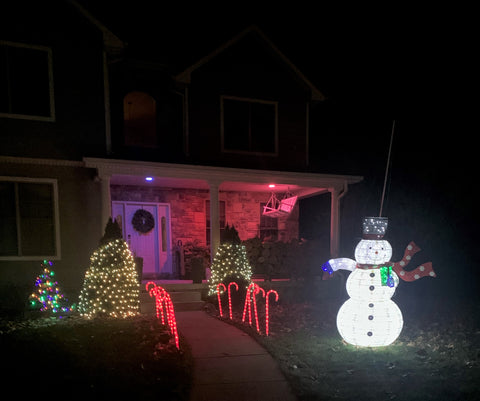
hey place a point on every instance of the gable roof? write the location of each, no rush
(186, 75)
(111, 41)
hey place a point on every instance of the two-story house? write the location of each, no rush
(87, 134)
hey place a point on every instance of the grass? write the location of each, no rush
(436, 357)
(95, 359)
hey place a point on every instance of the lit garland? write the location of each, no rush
(48, 295)
(230, 261)
(111, 284)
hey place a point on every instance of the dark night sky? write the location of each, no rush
(411, 65)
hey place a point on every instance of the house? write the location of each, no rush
(87, 133)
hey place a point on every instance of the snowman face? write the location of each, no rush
(373, 252)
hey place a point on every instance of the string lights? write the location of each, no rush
(111, 286)
(47, 295)
(252, 291)
(219, 298)
(267, 312)
(230, 297)
(231, 262)
(164, 301)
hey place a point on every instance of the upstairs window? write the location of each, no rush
(28, 219)
(249, 126)
(140, 120)
(26, 82)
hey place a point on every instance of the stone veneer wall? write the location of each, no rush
(187, 207)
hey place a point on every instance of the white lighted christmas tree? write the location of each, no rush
(230, 262)
(111, 286)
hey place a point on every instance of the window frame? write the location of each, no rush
(267, 228)
(56, 218)
(208, 227)
(248, 100)
(48, 50)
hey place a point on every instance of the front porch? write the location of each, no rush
(192, 204)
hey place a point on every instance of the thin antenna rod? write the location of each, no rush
(386, 169)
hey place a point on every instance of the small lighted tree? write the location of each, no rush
(47, 295)
(111, 286)
(230, 262)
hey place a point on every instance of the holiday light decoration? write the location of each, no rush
(267, 318)
(230, 297)
(219, 298)
(370, 318)
(164, 301)
(111, 286)
(47, 295)
(230, 262)
(252, 290)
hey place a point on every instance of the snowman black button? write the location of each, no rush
(370, 317)
(372, 274)
(369, 334)
(372, 287)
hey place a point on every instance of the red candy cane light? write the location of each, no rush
(163, 300)
(230, 297)
(266, 308)
(219, 298)
(257, 289)
(252, 290)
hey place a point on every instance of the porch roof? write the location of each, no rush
(126, 172)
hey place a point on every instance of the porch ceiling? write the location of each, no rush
(168, 182)
(124, 172)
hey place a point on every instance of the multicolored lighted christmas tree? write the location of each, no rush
(47, 296)
(111, 286)
(230, 262)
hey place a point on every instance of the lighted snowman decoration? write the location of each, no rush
(369, 318)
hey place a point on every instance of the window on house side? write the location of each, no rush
(140, 120)
(221, 212)
(26, 82)
(249, 126)
(268, 226)
(27, 219)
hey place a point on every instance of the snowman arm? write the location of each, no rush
(339, 263)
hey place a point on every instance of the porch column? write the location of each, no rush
(214, 218)
(106, 206)
(334, 222)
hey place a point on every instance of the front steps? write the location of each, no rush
(185, 297)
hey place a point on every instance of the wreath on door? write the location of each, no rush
(143, 221)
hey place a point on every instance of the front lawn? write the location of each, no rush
(103, 358)
(436, 357)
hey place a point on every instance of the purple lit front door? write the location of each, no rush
(154, 246)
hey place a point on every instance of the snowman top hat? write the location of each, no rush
(374, 227)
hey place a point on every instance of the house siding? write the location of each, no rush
(76, 46)
(79, 216)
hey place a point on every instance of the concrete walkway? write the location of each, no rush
(229, 364)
